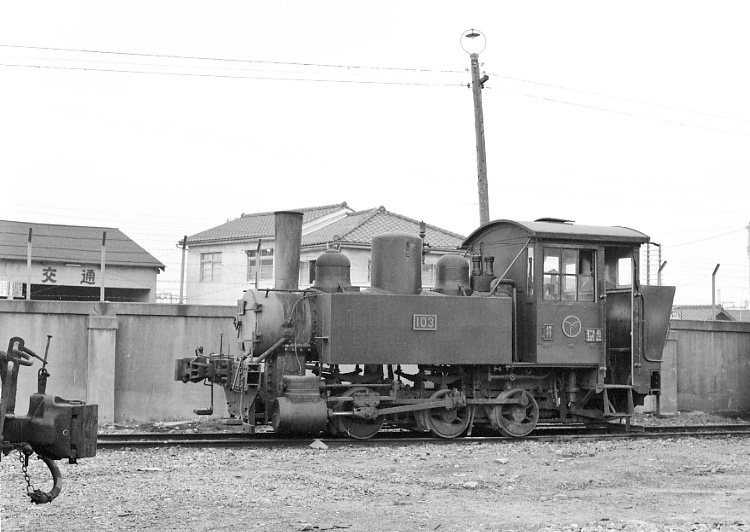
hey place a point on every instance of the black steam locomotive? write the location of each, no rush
(529, 321)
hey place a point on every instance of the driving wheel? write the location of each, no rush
(353, 426)
(515, 419)
(446, 422)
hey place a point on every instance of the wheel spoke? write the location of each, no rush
(515, 419)
(353, 426)
(444, 422)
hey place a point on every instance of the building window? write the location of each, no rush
(210, 267)
(569, 274)
(428, 275)
(266, 265)
(306, 272)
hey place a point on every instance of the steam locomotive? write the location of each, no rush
(565, 333)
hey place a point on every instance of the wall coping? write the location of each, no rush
(710, 326)
(89, 308)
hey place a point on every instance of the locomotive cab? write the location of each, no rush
(580, 306)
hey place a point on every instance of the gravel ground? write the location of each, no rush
(673, 484)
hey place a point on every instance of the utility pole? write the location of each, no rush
(473, 42)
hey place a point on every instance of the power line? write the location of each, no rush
(354, 67)
(707, 238)
(635, 115)
(255, 61)
(640, 102)
(228, 76)
(360, 67)
(363, 82)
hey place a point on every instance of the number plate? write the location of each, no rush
(425, 322)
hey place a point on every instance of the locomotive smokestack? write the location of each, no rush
(287, 242)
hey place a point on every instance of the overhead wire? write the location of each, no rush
(258, 61)
(360, 67)
(228, 76)
(629, 100)
(624, 113)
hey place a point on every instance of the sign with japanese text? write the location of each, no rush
(68, 275)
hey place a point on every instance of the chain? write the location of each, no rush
(24, 459)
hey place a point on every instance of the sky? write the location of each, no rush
(166, 118)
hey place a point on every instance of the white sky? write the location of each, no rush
(607, 113)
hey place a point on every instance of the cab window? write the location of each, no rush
(569, 274)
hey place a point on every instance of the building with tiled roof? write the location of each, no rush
(260, 225)
(222, 261)
(701, 313)
(65, 264)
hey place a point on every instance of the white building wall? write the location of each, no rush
(69, 274)
(233, 279)
(233, 282)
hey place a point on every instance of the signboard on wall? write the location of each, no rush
(67, 275)
(11, 289)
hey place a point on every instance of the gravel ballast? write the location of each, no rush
(666, 484)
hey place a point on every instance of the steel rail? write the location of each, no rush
(239, 439)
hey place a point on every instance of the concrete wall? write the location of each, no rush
(118, 355)
(712, 365)
(121, 356)
(149, 339)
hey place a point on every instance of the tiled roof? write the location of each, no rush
(360, 227)
(257, 225)
(71, 243)
(700, 313)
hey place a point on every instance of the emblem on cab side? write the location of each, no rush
(571, 326)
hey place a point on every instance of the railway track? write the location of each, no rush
(542, 433)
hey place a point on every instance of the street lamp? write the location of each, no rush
(473, 41)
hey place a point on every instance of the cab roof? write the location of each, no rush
(556, 229)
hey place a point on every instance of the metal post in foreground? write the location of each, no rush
(713, 293)
(28, 268)
(182, 269)
(104, 245)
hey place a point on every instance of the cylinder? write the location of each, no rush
(292, 417)
(397, 263)
(287, 243)
(452, 276)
